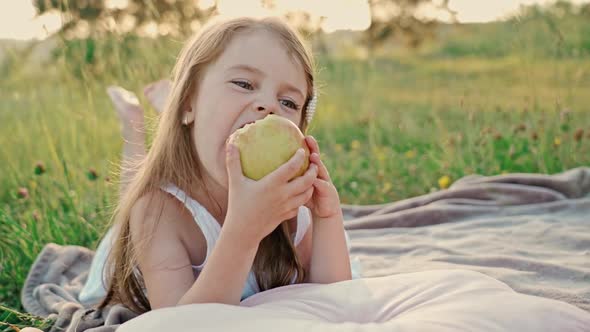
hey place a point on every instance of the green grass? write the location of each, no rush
(389, 129)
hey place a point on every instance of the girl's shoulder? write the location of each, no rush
(163, 218)
(156, 206)
(158, 223)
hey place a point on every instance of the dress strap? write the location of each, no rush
(208, 225)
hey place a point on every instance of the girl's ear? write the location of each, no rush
(188, 115)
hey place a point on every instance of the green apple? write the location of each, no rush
(267, 144)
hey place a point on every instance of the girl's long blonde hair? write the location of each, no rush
(173, 158)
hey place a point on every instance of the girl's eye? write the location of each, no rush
(244, 85)
(290, 104)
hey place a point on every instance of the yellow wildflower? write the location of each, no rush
(380, 153)
(410, 154)
(444, 182)
(355, 145)
(386, 187)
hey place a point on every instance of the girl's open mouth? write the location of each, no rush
(242, 126)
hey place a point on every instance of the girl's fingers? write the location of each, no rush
(302, 198)
(304, 182)
(312, 144)
(233, 165)
(321, 186)
(288, 170)
(322, 170)
(314, 149)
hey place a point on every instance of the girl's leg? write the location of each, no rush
(156, 93)
(132, 121)
(132, 129)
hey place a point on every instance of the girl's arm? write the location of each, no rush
(329, 253)
(224, 276)
(165, 262)
(330, 261)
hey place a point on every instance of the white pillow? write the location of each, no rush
(438, 300)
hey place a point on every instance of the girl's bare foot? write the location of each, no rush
(130, 114)
(157, 92)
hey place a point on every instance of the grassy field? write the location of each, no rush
(389, 129)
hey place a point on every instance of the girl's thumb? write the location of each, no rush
(232, 161)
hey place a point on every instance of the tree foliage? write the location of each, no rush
(174, 17)
(401, 19)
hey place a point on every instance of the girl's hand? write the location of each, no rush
(256, 208)
(325, 202)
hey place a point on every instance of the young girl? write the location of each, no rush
(190, 227)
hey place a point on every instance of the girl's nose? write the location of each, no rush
(267, 107)
(263, 109)
(267, 103)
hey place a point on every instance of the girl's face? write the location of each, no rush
(253, 77)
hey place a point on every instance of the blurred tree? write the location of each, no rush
(309, 26)
(401, 19)
(90, 17)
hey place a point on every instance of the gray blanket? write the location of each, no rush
(530, 231)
